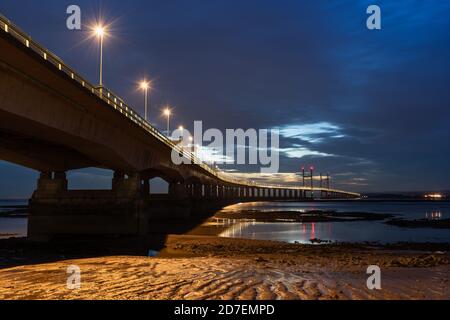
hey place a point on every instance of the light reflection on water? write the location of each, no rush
(352, 231)
(373, 231)
(433, 215)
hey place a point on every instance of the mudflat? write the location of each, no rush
(209, 267)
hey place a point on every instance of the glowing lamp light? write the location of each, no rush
(99, 31)
(145, 85)
(167, 112)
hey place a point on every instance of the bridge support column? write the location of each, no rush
(130, 187)
(55, 210)
(197, 191)
(220, 192)
(235, 192)
(213, 191)
(229, 192)
(51, 184)
(225, 192)
(178, 191)
(146, 188)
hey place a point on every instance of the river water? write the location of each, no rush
(12, 227)
(360, 231)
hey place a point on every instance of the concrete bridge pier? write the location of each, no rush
(51, 183)
(291, 194)
(128, 186)
(229, 192)
(55, 210)
(272, 193)
(196, 191)
(178, 191)
(235, 192)
(211, 192)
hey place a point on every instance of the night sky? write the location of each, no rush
(370, 107)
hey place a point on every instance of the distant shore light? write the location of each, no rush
(434, 196)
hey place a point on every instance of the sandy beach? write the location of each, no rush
(208, 267)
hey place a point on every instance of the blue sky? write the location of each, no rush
(370, 107)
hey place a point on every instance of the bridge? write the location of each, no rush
(53, 120)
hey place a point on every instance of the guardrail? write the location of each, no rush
(120, 106)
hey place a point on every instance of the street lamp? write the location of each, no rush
(181, 133)
(167, 113)
(191, 143)
(145, 85)
(100, 32)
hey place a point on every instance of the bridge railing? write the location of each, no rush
(118, 104)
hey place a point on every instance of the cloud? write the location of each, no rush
(312, 132)
(299, 152)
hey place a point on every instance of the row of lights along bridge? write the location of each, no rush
(145, 85)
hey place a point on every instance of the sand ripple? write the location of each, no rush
(215, 278)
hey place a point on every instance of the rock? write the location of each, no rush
(260, 259)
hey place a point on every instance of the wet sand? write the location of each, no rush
(208, 267)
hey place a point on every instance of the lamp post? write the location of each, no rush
(100, 33)
(182, 142)
(303, 175)
(167, 113)
(191, 142)
(145, 85)
(328, 181)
